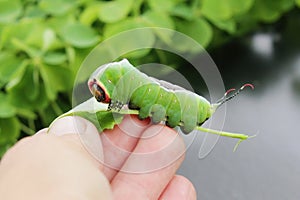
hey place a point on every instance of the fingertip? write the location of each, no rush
(179, 188)
(82, 128)
(151, 165)
(120, 142)
(160, 137)
(155, 143)
(146, 121)
(69, 125)
(42, 131)
(130, 126)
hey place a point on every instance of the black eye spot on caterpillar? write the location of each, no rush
(98, 91)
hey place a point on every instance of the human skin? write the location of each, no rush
(56, 165)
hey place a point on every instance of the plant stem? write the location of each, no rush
(56, 108)
(222, 133)
(31, 124)
(27, 130)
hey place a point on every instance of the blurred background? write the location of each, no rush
(43, 43)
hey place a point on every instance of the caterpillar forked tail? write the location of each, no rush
(226, 98)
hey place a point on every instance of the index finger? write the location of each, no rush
(151, 166)
(120, 142)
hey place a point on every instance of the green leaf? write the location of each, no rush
(225, 9)
(9, 133)
(29, 92)
(97, 113)
(32, 11)
(240, 7)
(184, 11)
(58, 24)
(49, 38)
(6, 109)
(79, 56)
(162, 6)
(139, 42)
(216, 9)
(30, 84)
(71, 55)
(137, 53)
(54, 58)
(297, 3)
(222, 13)
(26, 113)
(149, 19)
(114, 11)
(102, 119)
(269, 11)
(90, 13)
(17, 76)
(9, 10)
(27, 32)
(226, 25)
(9, 64)
(199, 30)
(80, 36)
(118, 27)
(29, 35)
(21, 99)
(157, 19)
(9, 130)
(21, 45)
(286, 5)
(57, 7)
(43, 37)
(56, 79)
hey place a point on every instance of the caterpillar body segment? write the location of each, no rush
(120, 83)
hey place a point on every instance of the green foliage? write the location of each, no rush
(43, 42)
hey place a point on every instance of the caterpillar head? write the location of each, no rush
(99, 91)
(98, 85)
(104, 80)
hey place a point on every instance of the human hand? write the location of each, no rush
(58, 165)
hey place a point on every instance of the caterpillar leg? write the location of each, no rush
(186, 129)
(158, 113)
(173, 120)
(188, 125)
(173, 112)
(189, 111)
(189, 120)
(144, 112)
(133, 106)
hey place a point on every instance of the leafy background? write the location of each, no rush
(43, 43)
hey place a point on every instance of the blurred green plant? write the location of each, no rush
(43, 42)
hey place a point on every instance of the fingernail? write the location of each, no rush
(87, 132)
(68, 125)
(189, 192)
(179, 188)
(91, 140)
(42, 131)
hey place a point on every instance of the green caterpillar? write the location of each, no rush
(119, 84)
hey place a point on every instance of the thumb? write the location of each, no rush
(54, 166)
(84, 130)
